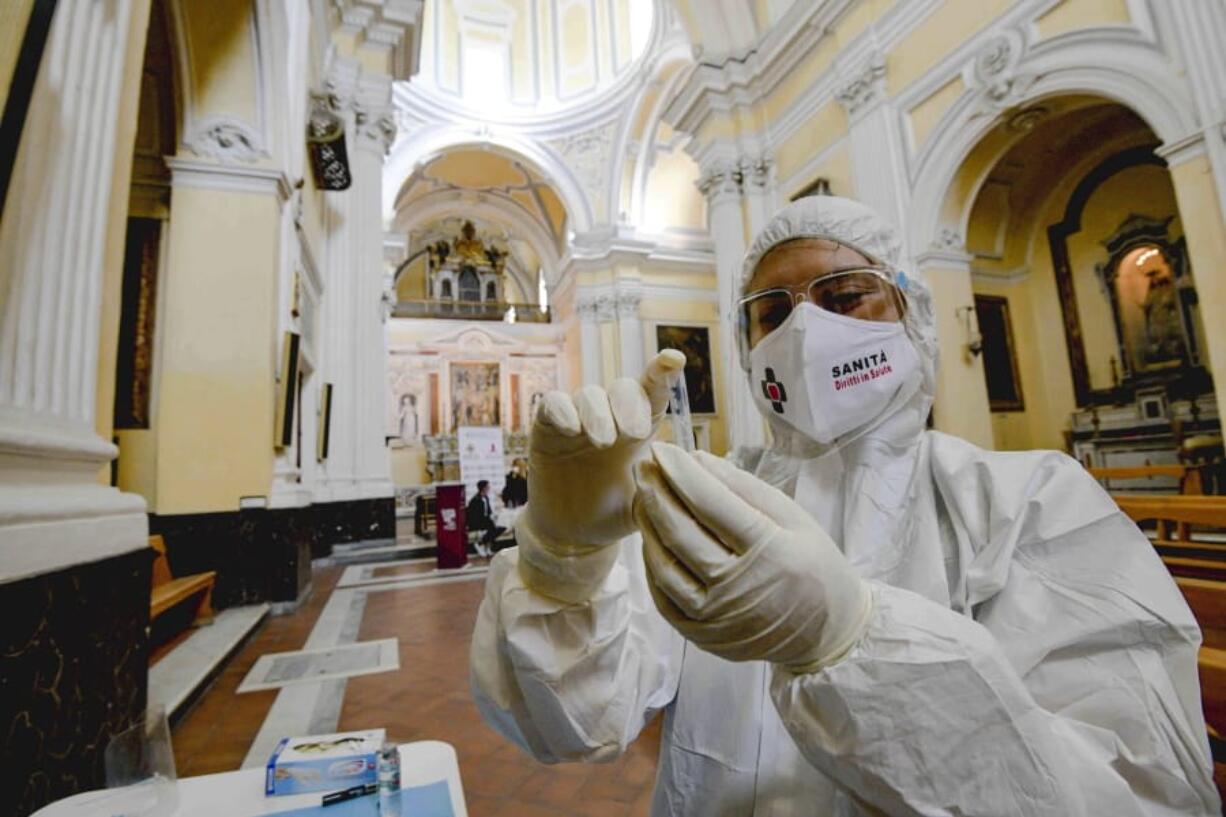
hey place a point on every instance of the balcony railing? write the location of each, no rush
(471, 311)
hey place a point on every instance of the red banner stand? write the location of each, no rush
(450, 530)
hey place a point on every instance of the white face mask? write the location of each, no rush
(826, 375)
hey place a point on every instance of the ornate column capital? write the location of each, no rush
(374, 129)
(721, 178)
(606, 307)
(628, 302)
(585, 308)
(860, 89)
(756, 172)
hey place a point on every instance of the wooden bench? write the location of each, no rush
(1208, 602)
(168, 592)
(1175, 515)
(1188, 476)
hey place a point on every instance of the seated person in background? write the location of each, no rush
(515, 492)
(480, 516)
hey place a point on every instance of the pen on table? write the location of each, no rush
(348, 794)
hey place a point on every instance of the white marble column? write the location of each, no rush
(589, 341)
(54, 512)
(630, 331)
(1200, 30)
(721, 184)
(875, 142)
(758, 188)
(355, 353)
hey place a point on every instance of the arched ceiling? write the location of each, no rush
(467, 174)
(1047, 142)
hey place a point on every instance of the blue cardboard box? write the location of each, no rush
(324, 762)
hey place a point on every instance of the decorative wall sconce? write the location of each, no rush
(973, 341)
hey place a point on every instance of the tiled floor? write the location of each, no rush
(215, 734)
(428, 697)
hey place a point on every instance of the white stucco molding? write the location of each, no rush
(388, 27)
(1116, 64)
(1183, 150)
(186, 172)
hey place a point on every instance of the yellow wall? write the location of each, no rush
(13, 18)
(411, 284)
(1071, 15)
(224, 65)
(824, 128)
(671, 198)
(408, 466)
(961, 406)
(215, 399)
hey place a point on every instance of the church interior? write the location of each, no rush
(275, 275)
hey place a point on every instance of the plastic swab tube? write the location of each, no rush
(679, 407)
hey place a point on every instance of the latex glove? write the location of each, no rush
(581, 455)
(740, 569)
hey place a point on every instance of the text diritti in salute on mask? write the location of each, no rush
(860, 370)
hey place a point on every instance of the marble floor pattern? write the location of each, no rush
(431, 614)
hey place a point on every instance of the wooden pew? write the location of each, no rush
(1188, 476)
(168, 591)
(1199, 568)
(1208, 602)
(1183, 555)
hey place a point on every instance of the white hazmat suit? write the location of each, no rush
(1026, 652)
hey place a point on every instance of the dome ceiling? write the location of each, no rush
(526, 57)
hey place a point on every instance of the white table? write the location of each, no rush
(241, 793)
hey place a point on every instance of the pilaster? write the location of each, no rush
(722, 182)
(875, 140)
(358, 466)
(53, 511)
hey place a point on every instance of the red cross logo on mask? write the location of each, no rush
(774, 391)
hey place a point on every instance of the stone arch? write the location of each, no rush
(1100, 64)
(409, 154)
(442, 204)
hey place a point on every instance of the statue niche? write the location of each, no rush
(1154, 305)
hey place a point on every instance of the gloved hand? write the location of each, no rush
(581, 488)
(740, 569)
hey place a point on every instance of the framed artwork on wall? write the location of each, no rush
(999, 355)
(287, 390)
(475, 394)
(323, 432)
(695, 343)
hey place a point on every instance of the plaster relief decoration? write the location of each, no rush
(225, 139)
(994, 74)
(864, 86)
(589, 155)
(949, 239)
(721, 177)
(756, 172)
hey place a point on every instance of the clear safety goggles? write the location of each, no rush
(866, 293)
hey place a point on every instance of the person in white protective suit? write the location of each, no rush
(872, 618)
